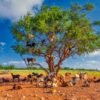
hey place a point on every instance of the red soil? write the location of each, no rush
(31, 92)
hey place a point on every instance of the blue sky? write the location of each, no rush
(12, 10)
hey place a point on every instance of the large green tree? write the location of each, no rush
(56, 34)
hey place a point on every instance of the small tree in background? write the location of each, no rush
(56, 34)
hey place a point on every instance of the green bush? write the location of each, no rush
(7, 67)
(1, 67)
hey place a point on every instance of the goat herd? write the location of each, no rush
(51, 80)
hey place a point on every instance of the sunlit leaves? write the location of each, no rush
(20, 49)
(89, 6)
(58, 27)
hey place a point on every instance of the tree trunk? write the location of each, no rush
(57, 71)
(50, 63)
(54, 69)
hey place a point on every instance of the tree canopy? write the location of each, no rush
(56, 34)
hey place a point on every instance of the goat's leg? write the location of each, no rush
(31, 81)
(13, 80)
(18, 79)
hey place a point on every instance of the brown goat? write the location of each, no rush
(15, 87)
(5, 80)
(30, 78)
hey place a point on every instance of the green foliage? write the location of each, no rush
(71, 28)
(1, 67)
(20, 49)
(89, 6)
(96, 23)
(7, 67)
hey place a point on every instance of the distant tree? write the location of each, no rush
(56, 34)
(8, 67)
(1, 66)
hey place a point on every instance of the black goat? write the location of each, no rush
(34, 74)
(28, 44)
(17, 76)
(24, 79)
(30, 78)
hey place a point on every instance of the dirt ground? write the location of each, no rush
(31, 92)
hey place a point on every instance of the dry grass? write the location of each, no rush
(24, 72)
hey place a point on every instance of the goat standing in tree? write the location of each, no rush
(30, 61)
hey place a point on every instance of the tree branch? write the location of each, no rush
(41, 67)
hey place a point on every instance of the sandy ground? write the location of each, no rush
(31, 92)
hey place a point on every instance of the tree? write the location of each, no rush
(56, 34)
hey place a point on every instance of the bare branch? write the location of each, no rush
(37, 64)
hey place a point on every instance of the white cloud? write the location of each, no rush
(93, 62)
(95, 53)
(44, 64)
(21, 63)
(90, 61)
(14, 9)
(2, 43)
(15, 63)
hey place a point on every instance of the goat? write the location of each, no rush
(29, 60)
(67, 74)
(52, 37)
(51, 80)
(28, 44)
(5, 80)
(24, 79)
(61, 80)
(15, 86)
(34, 74)
(1, 80)
(29, 77)
(43, 41)
(41, 81)
(30, 36)
(75, 79)
(97, 81)
(39, 75)
(17, 76)
(83, 76)
(86, 83)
